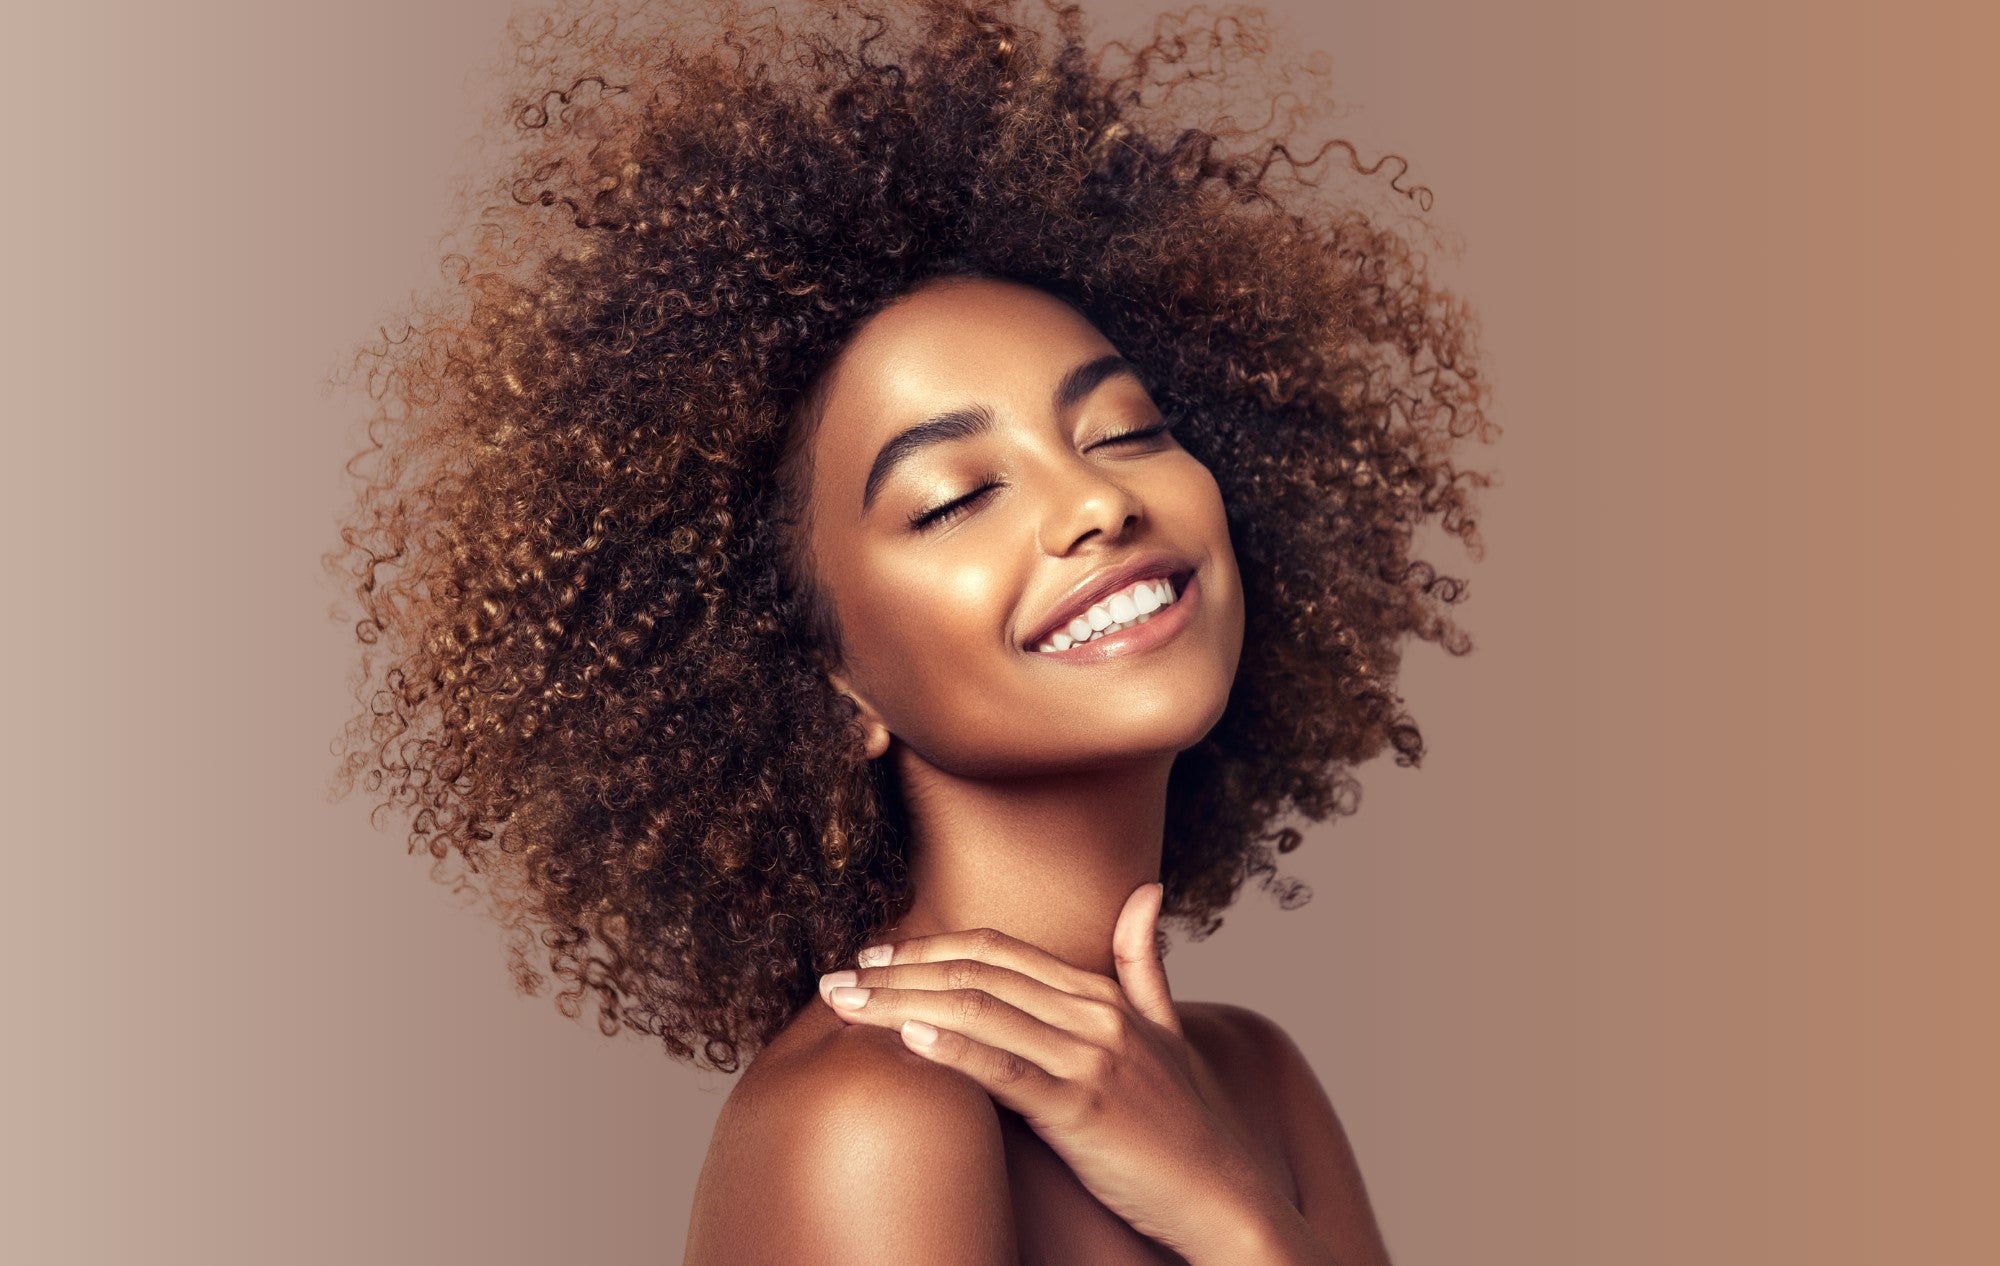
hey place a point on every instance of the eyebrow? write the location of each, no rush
(958, 424)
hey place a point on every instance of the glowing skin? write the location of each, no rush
(1036, 782)
(1036, 787)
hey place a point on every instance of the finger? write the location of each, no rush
(1015, 1083)
(1140, 971)
(991, 946)
(1088, 1018)
(976, 1015)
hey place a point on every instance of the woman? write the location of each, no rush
(871, 488)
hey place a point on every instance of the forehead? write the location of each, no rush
(954, 343)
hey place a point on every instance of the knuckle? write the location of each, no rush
(1011, 1069)
(969, 1005)
(963, 973)
(986, 940)
(1107, 1023)
(1094, 1066)
(1105, 990)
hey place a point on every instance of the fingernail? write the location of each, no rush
(919, 1033)
(835, 979)
(875, 955)
(850, 998)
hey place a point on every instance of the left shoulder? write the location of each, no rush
(1237, 1023)
(1253, 1057)
(1332, 1195)
(1246, 1039)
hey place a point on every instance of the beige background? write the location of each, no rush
(1680, 948)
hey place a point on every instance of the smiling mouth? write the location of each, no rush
(1129, 608)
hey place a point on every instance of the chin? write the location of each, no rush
(1164, 724)
(1075, 736)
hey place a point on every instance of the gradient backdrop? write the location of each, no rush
(1680, 948)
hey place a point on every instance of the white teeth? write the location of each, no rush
(1120, 611)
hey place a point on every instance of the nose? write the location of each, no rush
(1086, 500)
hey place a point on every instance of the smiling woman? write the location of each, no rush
(878, 481)
(1065, 509)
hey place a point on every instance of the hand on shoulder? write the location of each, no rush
(854, 1149)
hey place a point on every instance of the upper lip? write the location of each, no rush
(1103, 581)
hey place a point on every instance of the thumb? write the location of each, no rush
(1140, 972)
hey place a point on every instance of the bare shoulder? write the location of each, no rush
(1332, 1193)
(1251, 1044)
(1236, 1032)
(839, 1145)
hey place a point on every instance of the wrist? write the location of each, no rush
(1257, 1229)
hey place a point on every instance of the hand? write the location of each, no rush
(1098, 1068)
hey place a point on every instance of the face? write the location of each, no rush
(1034, 486)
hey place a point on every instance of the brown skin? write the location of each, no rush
(841, 1144)
(593, 679)
(598, 679)
(1036, 789)
(1121, 1126)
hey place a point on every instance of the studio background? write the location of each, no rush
(1681, 945)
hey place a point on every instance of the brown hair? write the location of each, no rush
(585, 673)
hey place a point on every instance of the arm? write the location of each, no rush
(870, 1155)
(1332, 1195)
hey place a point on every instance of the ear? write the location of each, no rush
(872, 725)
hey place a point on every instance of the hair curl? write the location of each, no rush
(592, 668)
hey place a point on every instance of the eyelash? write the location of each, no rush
(939, 515)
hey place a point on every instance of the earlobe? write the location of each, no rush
(876, 744)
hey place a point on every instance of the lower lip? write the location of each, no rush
(1166, 622)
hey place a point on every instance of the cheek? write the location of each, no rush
(927, 636)
(1204, 504)
(1201, 520)
(927, 640)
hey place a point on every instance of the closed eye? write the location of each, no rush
(950, 510)
(1141, 434)
(937, 516)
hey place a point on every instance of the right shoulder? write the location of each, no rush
(841, 1145)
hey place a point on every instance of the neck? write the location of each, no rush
(1048, 860)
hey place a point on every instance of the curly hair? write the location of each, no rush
(592, 667)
